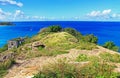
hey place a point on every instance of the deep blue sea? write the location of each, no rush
(105, 31)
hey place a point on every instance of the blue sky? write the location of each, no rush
(59, 10)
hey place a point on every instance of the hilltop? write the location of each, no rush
(60, 53)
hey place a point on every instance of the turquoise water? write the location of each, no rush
(105, 31)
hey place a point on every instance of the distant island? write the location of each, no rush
(6, 23)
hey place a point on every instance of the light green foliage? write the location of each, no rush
(44, 30)
(63, 69)
(59, 69)
(58, 43)
(110, 57)
(98, 69)
(82, 45)
(82, 57)
(110, 45)
(4, 66)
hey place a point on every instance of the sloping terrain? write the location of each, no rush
(43, 52)
(27, 68)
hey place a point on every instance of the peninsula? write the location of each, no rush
(6, 23)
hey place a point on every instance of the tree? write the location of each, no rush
(110, 45)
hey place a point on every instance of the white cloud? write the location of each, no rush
(106, 12)
(4, 15)
(18, 14)
(94, 13)
(11, 2)
(99, 13)
(103, 15)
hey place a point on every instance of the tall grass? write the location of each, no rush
(110, 57)
(4, 66)
(65, 69)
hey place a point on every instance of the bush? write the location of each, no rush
(82, 57)
(110, 45)
(4, 48)
(90, 38)
(55, 28)
(73, 32)
(44, 30)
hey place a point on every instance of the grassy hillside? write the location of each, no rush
(87, 61)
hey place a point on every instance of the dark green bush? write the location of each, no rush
(55, 28)
(90, 38)
(110, 45)
(73, 32)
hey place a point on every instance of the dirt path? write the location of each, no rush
(27, 68)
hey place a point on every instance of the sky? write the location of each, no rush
(59, 10)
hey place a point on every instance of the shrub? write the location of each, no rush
(110, 45)
(4, 48)
(90, 38)
(110, 57)
(44, 30)
(55, 28)
(73, 32)
(82, 57)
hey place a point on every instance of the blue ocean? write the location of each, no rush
(105, 31)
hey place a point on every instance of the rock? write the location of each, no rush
(6, 57)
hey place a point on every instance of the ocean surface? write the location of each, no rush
(105, 31)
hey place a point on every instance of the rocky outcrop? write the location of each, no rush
(6, 56)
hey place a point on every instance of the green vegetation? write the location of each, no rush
(82, 57)
(4, 48)
(90, 38)
(110, 45)
(57, 40)
(6, 23)
(54, 28)
(64, 69)
(4, 66)
(73, 32)
(110, 57)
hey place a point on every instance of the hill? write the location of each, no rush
(60, 54)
